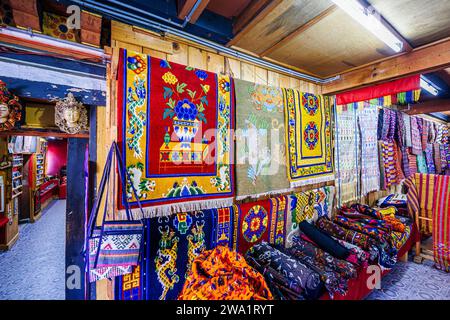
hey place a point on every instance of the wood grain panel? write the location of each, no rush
(419, 21)
(332, 45)
(281, 21)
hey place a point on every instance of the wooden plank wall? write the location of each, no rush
(176, 50)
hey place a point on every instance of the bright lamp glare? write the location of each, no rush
(428, 86)
(371, 21)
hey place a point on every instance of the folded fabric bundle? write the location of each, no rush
(374, 228)
(400, 238)
(324, 241)
(361, 257)
(365, 209)
(289, 267)
(281, 287)
(387, 252)
(222, 274)
(368, 222)
(361, 240)
(333, 282)
(322, 258)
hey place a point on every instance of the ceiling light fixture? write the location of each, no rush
(370, 19)
(428, 86)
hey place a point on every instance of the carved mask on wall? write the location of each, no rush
(71, 115)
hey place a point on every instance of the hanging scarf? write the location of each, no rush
(437, 157)
(222, 274)
(398, 163)
(422, 163)
(370, 173)
(407, 129)
(389, 162)
(425, 184)
(416, 139)
(429, 158)
(412, 163)
(412, 196)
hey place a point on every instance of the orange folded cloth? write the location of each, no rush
(222, 274)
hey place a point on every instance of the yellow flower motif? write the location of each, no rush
(206, 87)
(169, 78)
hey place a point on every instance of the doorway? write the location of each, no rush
(44, 197)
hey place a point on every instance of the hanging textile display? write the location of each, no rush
(402, 145)
(412, 162)
(441, 224)
(401, 91)
(416, 139)
(260, 221)
(407, 129)
(260, 140)
(346, 149)
(308, 137)
(308, 205)
(222, 274)
(389, 163)
(179, 153)
(429, 158)
(398, 162)
(422, 163)
(370, 173)
(425, 184)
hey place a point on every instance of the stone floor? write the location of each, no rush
(411, 281)
(34, 268)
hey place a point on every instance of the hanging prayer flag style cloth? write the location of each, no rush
(308, 137)
(174, 130)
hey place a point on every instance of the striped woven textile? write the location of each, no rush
(424, 133)
(425, 184)
(389, 162)
(398, 163)
(416, 140)
(412, 196)
(437, 157)
(429, 158)
(407, 125)
(441, 224)
(412, 161)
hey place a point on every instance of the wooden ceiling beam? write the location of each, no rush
(185, 7)
(252, 15)
(299, 30)
(428, 58)
(430, 106)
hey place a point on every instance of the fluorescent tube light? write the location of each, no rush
(428, 86)
(371, 20)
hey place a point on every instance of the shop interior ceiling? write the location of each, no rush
(314, 37)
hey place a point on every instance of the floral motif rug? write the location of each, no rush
(174, 131)
(258, 221)
(260, 140)
(308, 137)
